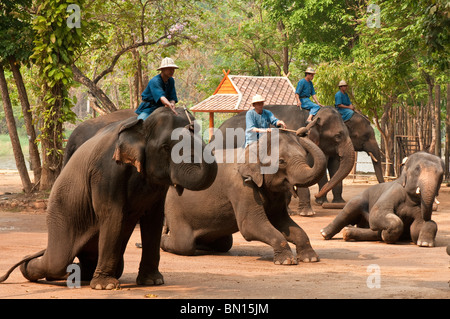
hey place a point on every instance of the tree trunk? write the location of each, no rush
(108, 105)
(51, 143)
(431, 107)
(447, 134)
(437, 118)
(35, 158)
(282, 29)
(12, 129)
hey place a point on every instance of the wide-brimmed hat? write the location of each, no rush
(257, 98)
(310, 70)
(342, 83)
(167, 63)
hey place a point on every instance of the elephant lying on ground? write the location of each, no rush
(243, 199)
(95, 203)
(395, 210)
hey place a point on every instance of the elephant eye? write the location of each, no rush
(281, 161)
(166, 147)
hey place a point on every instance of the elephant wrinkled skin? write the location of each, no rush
(115, 179)
(397, 209)
(257, 207)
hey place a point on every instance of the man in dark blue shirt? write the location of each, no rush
(342, 102)
(305, 90)
(160, 91)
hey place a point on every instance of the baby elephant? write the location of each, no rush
(243, 199)
(394, 210)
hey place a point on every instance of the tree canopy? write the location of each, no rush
(392, 53)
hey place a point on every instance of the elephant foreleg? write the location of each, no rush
(114, 233)
(296, 235)
(423, 233)
(151, 225)
(304, 202)
(254, 225)
(333, 167)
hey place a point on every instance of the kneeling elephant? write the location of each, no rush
(243, 199)
(95, 203)
(395, 210)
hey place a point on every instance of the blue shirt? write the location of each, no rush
(305, 88)
(156, 88)
(255, 120)
(341, 98)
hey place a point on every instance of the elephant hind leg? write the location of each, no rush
(360, 234)
(59, 254)
(47, 267)
(352, 214)
(179, 240)
(221, 244)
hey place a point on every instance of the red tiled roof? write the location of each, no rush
(276, 91)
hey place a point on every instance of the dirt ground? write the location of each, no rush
(346, 269)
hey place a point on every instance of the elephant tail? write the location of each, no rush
(24, 260)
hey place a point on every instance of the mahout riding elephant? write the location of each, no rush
(395, 210)
(115, 179)
(89, 128)
(329, 132)
(243, 199)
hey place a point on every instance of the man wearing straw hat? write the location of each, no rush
(342, 102)
(304, 90)
(258, 120)
(160, 90)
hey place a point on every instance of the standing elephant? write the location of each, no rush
(243, 199)
(401, 208)
(329, 132)
(115, 179)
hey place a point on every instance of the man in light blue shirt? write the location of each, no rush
(258, 120)
(342, 102)
(303, 92)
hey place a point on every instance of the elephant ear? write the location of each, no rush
(248, 169)
(130, 145)
(313, 131)
(252, 171)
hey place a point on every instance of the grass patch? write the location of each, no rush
(6, 147)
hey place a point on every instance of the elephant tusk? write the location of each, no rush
(295, 188)
(436, 201)
(373, 157)
(418, 190)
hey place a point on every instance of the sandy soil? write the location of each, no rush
(247, 270)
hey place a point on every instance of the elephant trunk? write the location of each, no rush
(374, 152)
(347, 160)
(194, 176)
(195, 172)
(428, 191)
(301, 172)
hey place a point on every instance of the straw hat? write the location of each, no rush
(342, 83)
(310, 70)
(257, 98)
(167, 63)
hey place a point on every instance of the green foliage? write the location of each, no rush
(56, 46)
(16, 33)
